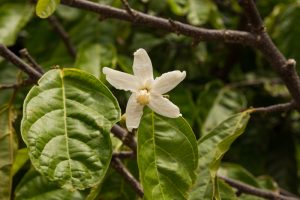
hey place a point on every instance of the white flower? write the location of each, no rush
(145, 89)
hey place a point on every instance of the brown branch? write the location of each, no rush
(14, 59)
(283, 107)
(124, 154)
(143, 19)
(285, 68)
(57, 27)
(126, 137)
(17, 85)
(248, 189)
(24, 52)
(123, 171)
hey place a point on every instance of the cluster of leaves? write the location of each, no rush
(75, 110)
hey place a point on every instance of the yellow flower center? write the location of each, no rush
(143, 97)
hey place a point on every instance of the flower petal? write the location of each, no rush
(134, 112)
(163, 106)
(121, 80)
(167, 81)
(142, 66)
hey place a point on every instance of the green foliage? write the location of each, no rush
(216, 103)
(13, 17)
(222, 81)
(166, 171)
(45, 8)
(35, 186)
(212, 148)
(74, 148)
(8, 146)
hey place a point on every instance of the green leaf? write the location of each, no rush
(204, 11)
(45, 8)
(34, 186)
(66, 126)
(13, 17)
(167, 157)
(212, 148)
(217, 103)
(226, 192)
(8, 146)
(178, 7)
(21, 158)
(88, 59)
(239, 173)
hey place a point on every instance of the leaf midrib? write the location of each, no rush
(65, 121)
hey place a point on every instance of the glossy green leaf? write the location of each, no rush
(8, 147)
(88, 59)
(167, 157)
(45, 8)
(66, 126)
(216, 104)
(13, 17)
(34, 186)
(212, 148)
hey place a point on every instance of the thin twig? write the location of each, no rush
(126, 137)
(57, 26)
(248, 189)
(24, 52)
(14, 59)
(17, 85)
(123, 171)
(128, 8)
(283, 107)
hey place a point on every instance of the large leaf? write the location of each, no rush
(34, 186)
(88, 59)
(217, 103)
(44, 8)
(13, 17)
(167, 157)
(7, 150)
(212, 148)
(66, 125)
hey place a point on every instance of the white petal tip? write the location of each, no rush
(140, 52)
(105, 70)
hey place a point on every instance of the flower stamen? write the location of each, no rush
(143, 97)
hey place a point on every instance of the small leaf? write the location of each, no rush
(35, 186)
(88, 59)
(8, 146)
(178, 7)
(212, 148)
(217, 103)
(13, 17)
(66, 126)
(167, 157)
(45, 8)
